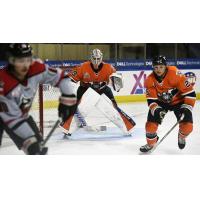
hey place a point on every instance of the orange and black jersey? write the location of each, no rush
(85, 73)
(172, 90)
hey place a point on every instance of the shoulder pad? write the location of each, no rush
(36, 68)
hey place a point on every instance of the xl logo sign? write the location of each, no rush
(138, 88)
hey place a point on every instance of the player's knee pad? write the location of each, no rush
(31, 146)
(26, 128)
(185, 128)
(151, 127)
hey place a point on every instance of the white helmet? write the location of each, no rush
(96, 57)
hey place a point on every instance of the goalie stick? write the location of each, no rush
(124, 115)
(85, 125)
(108, 121)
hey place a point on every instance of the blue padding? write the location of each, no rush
(126, 64)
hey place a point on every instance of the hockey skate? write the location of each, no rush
(145, 148)
(181, 142)
(65, 135)
(44, 151)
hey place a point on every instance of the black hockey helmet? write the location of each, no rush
(19, 50)
(159, 60)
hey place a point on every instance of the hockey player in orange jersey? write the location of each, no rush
(168, 90)
(96, 74)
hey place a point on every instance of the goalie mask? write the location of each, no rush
(96, 57)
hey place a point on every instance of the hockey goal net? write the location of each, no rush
(44, 107)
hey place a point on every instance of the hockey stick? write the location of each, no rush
(108, 121)
(51, 132)
(166, 134)
(84, 124)
(99, 117)
(125, 115)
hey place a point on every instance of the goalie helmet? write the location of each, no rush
(191, 77)
(159, 60)
(19, 50)
(96, 57)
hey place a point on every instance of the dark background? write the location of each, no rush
(80, 51)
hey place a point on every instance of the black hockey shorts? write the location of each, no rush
(176, 109)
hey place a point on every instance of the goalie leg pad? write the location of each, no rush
(108, 95)
(105, 106)
(80, 118)
(87, 103)
(108, 92)
(128, 121)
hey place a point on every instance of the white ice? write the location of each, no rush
(112, 141)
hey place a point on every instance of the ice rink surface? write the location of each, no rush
(112, 141)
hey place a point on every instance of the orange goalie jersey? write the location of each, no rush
(172, 90)
(85, 73)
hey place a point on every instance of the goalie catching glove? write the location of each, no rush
(116, 81)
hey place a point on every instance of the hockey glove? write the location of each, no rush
(159, 114)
